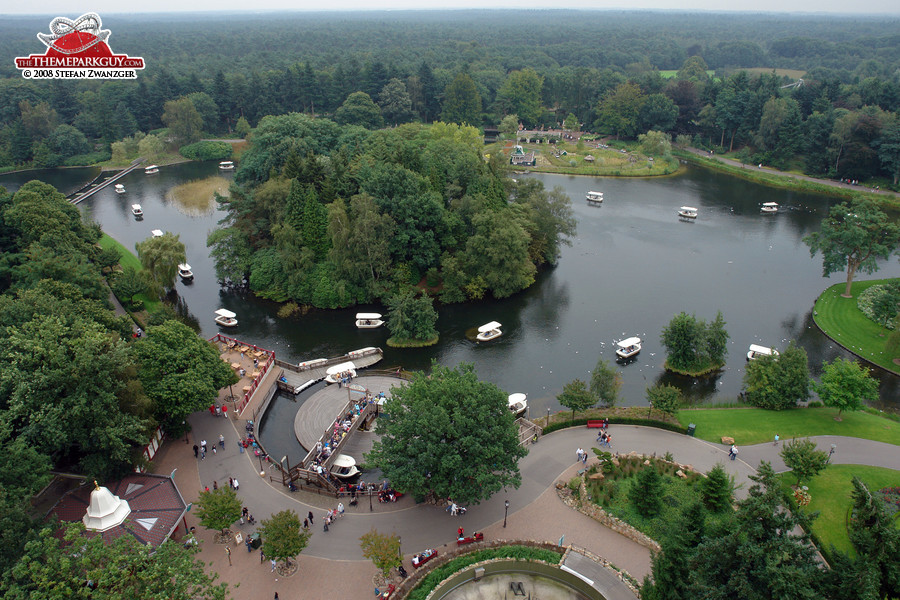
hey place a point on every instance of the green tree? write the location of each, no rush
(60, 568)
(664, 398)
(242, 127)
(233, 255)
(184, 122)
(802, 457)
(412, 318)
(715, 340)
(646, 493)
(619, 110)
(67, 141)
(658, 113)
(570, 123)
(462, 102)
(383, 550)
(498, 250)
(717, 489)
(217, 509)
(682, 338)
(670, 568)
(283, 536)
(522, 92)
(845, 385)
(577, 396)
(450, 435)
(854, 236)
(160, 257)
(128, 283)
(395, 102)
(778, 382)
(509, 126)
(180, 371)
(876, 539)
(606, 381)
(151, 148)
(551, 220)
(655, 143)
(207, 109)
(758, 554)
(359, 109)
(694, 69)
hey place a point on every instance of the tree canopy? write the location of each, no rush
(845, 385)
(283, 536)
(450, 435)
(778, 381)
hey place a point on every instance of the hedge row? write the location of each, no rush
(616, 421)
(206, 151)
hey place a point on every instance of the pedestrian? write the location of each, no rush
(225, 410)
(222, 441)
(325, 521)
(231, 483)
(218, 410)
(215, 485)
(273, 563)
(341, 509)
(212, 409)
(237, 485)
(241, 446)
(459, 533)
(203, 445)
(584, 458)
(244, 511)
(305, 523)
(732, 454)
(196, 450)
(609, 440)
(207, 488)
(454, 510)
(247, 542)
(276, 595)
(310, 517)
(262, 556)
(214, 450)
(775, 443)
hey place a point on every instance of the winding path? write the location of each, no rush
(332, 565)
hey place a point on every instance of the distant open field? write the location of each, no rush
(671, 73)
(792, 73)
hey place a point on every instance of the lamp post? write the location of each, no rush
(399, 550)
(505, 511)
(370, 500)
(830, 454)
(548, 417)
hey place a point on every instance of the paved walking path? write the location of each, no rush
(332, 565)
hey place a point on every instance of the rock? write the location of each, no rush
(727, 440)
(596, 476)
(615, 461)
(647, 463)
(680, 473)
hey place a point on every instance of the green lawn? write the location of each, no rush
(151, 304)
(756, 425)
(842, 321)
(830, 492)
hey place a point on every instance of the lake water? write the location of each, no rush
(631, 268)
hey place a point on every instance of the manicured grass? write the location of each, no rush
(607, 162)
(151, 304)
(842, 321)
(830, 493)
(756, 425)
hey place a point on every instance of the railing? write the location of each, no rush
(263, 368)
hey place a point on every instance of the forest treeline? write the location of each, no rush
(600, 69)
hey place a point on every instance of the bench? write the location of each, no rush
(596, 424)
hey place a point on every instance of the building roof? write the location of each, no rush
(156, 507)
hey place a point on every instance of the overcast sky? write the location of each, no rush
(72, 10)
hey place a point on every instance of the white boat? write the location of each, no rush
(489, 331)
(151, 169)
(226, 318)
(628, 347)
(769, 207)
(226, 165)
(344, 466)
(757, 351)
(136, 210)
(184, 271)
(368, 320)
(594, 197)
(518, 404)
(309, 364)
(687, 212)
(120, 189)
(333, 374)
(157, 232)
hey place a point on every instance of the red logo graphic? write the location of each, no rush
(78, 49)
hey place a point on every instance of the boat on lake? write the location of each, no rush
(757, 351)
(151, 169)
(769, 207)
(226, 165)
(120, 189)
(628, 347)
(226, 318)
(137, 211)
(517, 404)
(687, 212)
(333, 374)
(594, 197)
(184, 271)
(368, 320)
(489, 331)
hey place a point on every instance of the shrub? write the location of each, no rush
(90, 158)
(880, 303)
(206, 151)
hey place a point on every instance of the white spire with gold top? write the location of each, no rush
(105, 511)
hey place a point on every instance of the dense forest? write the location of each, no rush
(709, 76)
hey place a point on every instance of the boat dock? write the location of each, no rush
(93, 187)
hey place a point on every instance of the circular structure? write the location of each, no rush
(508, 578)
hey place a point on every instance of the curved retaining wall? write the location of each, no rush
(509, 565)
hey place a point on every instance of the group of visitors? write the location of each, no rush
(218, 410)
(604, 439)
(344, 378)
(331, 515)
(733, 452)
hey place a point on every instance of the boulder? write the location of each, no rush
(647, 463)
(680, 473)
(727, 440)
